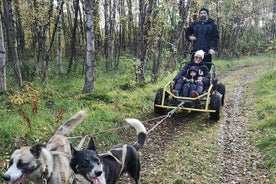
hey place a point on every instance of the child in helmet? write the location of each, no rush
(202, 77)
(190, 81)
(187, 82)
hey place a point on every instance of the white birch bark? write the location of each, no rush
(3, 84)
(90, 52)
(59, 41)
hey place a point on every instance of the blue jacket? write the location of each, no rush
(206, 33)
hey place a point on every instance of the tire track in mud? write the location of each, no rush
(238, 158)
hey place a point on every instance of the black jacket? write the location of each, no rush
(206, 33)
(203, 71)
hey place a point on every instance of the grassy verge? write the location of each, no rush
(266, 141)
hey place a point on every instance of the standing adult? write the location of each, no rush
(204, 35)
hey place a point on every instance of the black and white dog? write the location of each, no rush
(107, 167)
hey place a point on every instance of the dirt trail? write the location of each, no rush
(237, 160)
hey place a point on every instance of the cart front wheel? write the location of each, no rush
(215, 104)
(158, 101)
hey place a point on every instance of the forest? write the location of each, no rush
(109, 57)
(42, 39)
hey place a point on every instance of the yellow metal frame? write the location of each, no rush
(167, 89)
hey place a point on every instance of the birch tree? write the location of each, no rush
(59, 38)
(10, 30)
(144, 27)
(43, 12)
(90, 49)
(97, 28)
(74, 36)
(19, 30)
(183, 8)
(3, 85)
(106, 30)
(110, 50)
(130, 27)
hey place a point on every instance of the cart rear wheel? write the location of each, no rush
(221, 90)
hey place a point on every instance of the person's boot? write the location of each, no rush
(176, 93)
(194, 95)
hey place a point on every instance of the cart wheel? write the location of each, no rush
(215, 104)
(221, 90)
(158, 101)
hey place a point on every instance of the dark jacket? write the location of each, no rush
(206, 33)
(195, 69)
(203, 71)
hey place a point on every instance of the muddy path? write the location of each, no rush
(239, 159)
(217, 152)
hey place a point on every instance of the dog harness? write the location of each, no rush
(46, 175)
(120, 162)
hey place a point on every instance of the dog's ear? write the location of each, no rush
(73, 150)
(91, 145)
(36, 150)
(73, 162)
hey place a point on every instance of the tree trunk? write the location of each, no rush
(43, 27)
(110, 52)
(106, 31)
(144, 27)
(157, 60)
(90, 52)
(12, 41)
(67, 27)
(183, 11)
(42, 54)
(97, 29)
(122, 29)
(130, 31)
(73, 38)
(20, 31)
(120, 39)
(59, 39)
(3, 85)
(273, 21)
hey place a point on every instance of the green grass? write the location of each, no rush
(266, 124)
(116, 96)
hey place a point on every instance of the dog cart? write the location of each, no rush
(210, 101)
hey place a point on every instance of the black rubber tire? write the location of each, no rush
(221, 89)
(158, 101)
(215, 104)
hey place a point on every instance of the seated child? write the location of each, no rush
(190, 82)
(187, 82)
(202, 78)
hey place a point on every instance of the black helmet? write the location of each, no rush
(194, 68)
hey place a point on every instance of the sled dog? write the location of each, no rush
(107, 167)
(45, 164)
